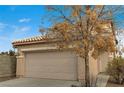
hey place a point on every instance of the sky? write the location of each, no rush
(18, 22)
(22, 21)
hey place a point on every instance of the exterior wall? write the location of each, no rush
(99, 65)
(81, 70)
(103, 61)
(96, 66)
(7, 66)
(20, 66)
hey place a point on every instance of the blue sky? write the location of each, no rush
(17, 22)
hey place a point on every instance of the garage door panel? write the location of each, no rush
(54, 65)
(35, 67)
(60, 54)
(52, 69)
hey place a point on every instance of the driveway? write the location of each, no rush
(35, 82)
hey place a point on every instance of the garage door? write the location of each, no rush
(52, 65)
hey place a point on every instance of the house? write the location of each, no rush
(40, 58)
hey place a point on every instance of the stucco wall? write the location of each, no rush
(20, 66)
(103, 61)
(81, 70)
(7, 65)
(95, 64)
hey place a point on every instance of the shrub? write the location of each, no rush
(11, 53)
(116, 69)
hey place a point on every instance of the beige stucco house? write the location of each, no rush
(40, 58)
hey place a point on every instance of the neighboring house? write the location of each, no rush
(40, 58)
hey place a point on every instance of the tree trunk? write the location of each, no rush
(87, 73)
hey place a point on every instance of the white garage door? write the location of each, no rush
(52, 65)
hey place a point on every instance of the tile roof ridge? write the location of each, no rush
(32, 38)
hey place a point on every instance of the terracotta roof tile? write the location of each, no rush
(31, 40)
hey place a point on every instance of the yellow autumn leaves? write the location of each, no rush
(76, 10)
(103, 44)
(79, 34)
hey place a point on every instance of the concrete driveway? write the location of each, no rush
(35, 82)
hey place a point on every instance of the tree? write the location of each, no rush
(11, 53)
(85, 28)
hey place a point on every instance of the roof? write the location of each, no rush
(31, 40)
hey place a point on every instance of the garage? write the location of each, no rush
(51, 65)
(41, 58)
(38, 57)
